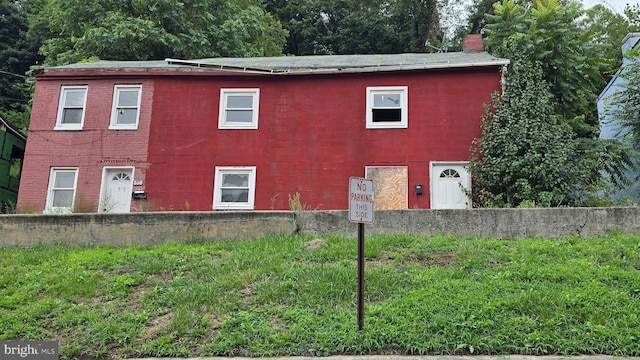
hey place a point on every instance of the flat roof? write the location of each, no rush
(302, 64)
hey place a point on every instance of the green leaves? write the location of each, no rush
(572, 67)
(16, 54)
(145, 29)
(356, 26)
(524, 155)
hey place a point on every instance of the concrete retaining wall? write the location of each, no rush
(155, 228)
(141, 228)
(493, 223)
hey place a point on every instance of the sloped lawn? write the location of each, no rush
(275, 296)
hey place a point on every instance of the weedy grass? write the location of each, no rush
(273, 296)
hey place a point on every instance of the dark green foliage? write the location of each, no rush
(571, 66)
(355, 26)
(524, 155)
(570, 49)
(16, 55)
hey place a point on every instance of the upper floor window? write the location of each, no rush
(62, 190)
(239, 108)
(126, 107)
(387, 107)
(71, 108)
(234, 188)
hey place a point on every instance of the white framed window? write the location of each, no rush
(234, 188)
(239, 108)
(71, 108)
(125, 111)
(62, 190)
(387, 107)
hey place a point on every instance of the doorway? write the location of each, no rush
(450, 182)
(117, 186)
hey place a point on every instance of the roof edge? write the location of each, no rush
(336, 70)
(12, 130)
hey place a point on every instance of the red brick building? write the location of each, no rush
(252, 133)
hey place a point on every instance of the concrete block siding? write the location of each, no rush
(156, 228)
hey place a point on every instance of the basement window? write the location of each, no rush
(234, 188)
(62, 190)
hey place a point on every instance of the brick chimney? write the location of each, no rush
(472, 43)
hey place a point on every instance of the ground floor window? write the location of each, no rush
(234, 188)
(62, 190)
(390, 186)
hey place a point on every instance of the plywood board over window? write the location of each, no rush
(390, 186)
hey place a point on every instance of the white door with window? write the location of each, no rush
(117, 186)
(449, 183)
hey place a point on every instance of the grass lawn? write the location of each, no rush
(273, 296)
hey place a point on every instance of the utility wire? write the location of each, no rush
(3, 98)
(13, 74)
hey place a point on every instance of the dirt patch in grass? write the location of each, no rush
(157, 325)
(444, 259)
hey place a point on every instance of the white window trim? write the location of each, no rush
(404, 115)
(49, 209)
(217, 193)
(61, 101)
(222, 115)
(113, 125)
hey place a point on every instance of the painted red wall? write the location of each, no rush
(311, 138)
(312, 135)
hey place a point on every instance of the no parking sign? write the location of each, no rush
(360, 200)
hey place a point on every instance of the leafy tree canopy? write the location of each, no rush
(608, 29)
(157, 29)
(356, 26)
(571, 65)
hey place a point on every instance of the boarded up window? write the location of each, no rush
(390, 185)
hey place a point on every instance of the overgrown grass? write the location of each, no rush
(272, 297)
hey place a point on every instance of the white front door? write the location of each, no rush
(117, 185)
(448, 184)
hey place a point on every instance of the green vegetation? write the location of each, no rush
(273, 296)
(525, 155)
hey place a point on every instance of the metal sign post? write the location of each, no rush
(360, 211)
(360, 276)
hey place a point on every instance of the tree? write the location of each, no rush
(356, 26)
(157, 29)
(525, 155)
(15, 58)
(572, 67)
(608, 29)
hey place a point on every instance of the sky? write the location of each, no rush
(616, 5)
